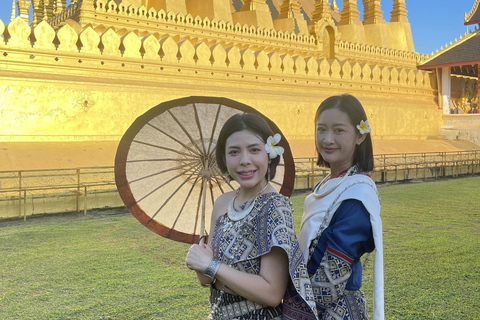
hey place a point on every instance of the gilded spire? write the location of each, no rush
(251, 5)
(48, 9)
(12, 17)
(60, 5)
(334, 6)
(289, 8)
(322, 10)
(399, 12)
(37, 13)
(291, 18)
(254, 12)
(350, 13)
(23, 7)
(45, 14)
(372, 12)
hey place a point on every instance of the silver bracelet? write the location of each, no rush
(212, 268)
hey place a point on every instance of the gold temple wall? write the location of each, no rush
(61, 87)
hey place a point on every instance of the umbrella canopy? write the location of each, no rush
(165, 167)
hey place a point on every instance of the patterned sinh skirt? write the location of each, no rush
(351, 306)
(225, 306)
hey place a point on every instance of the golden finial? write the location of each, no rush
(334, 6)
(12, 17)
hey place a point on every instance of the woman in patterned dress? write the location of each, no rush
(246, 262)
(341, 219)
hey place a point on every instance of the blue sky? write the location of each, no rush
(433, 22)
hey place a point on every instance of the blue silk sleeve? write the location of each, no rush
(348, 236)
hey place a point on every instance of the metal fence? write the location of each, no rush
(400, 167)
(27, 192)
(55, 190)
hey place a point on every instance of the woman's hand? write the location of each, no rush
(198, 257)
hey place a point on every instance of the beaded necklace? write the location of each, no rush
(327, 192)
(236, 215)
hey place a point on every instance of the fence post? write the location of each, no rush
(444, 164)
(24, 205)
(85, 201)
(19, 193)
(77, 204)
(424, 166)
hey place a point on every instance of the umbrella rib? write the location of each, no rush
(219, 184)
(160, 160)
(212, 197)
(217, 115)
(185, 131)
(197, 120)
(198, 208)
(276, 183)
(185, 202)
(163, 148)
(168, 199)
(174, 139)
(228, 184)
(160, 172)
(162, 185)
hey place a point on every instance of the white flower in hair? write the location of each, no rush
(364, 127)
(271, 146)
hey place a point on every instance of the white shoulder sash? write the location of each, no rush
(319, 212)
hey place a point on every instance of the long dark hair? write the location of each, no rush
(244, 121)
(363, 155)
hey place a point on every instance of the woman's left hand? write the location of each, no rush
(198, 257)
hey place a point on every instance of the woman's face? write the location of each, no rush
(246, 159)
(336, 139)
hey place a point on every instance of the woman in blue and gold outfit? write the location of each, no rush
(341, 220)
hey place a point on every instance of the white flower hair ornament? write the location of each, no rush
(364, 127)
(271, 146)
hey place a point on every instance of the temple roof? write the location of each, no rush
(474, 16)
(461, 54)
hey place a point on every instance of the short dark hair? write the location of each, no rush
(363, 155)
(244, 121)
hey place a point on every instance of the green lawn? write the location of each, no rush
(106, 265)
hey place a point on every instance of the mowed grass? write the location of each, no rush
(106, 265)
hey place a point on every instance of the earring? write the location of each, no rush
(228, 176)
(268, 173)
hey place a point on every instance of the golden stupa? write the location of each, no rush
(74, 77)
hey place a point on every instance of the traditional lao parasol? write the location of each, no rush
(165, 167)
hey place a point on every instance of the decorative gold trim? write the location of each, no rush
(472, 12)
(447, 47)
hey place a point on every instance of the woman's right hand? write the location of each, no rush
(198, 257)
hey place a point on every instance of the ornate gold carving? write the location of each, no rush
(169, 54)
(472, 11)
